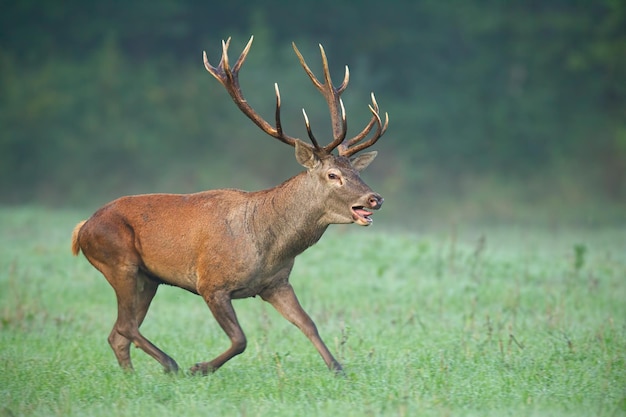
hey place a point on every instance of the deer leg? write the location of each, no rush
(121, 348)
(222, 308)
(284, 300)
(121, 344)
(134, 296)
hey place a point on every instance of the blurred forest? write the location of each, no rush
(499, 110)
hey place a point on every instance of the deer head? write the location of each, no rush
(338, 174)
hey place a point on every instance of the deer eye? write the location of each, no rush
(333, 176)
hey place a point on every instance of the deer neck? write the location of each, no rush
(288, 217)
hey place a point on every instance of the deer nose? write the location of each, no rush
(375, 201)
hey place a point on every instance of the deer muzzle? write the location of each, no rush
(362, 214)
(375, 201)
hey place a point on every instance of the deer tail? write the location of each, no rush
(75, 245)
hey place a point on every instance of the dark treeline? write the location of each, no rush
(492, 103)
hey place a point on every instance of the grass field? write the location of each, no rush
(464, 322)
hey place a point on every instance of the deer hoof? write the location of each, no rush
(202, 368)
(171, 367)
(337, 369)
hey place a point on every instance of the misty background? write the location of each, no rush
(500, 111)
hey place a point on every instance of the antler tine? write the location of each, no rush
(223, 72)
(346, 148)
(346, 80)
(344, 121)
(279, 126)
(332, 96)
(309, 131)
(368, 128)
(224, 61)
(327, 79)
(308, 71)
(229, 78)
(346, 76)
(243, 55)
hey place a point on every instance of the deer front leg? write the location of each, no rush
(284, 300)
(222, 308)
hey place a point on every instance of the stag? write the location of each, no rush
(230, 244)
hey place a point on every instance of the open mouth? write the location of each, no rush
(361, 216)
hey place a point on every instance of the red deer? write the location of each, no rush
(229, 244)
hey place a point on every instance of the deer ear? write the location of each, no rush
(305, 155)
(361, 162)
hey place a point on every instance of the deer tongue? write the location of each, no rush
(362, 216)
(362, 212)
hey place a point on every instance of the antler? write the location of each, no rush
(350, 147)
(332, 95)
(229, 78)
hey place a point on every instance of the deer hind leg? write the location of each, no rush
(134, 295)
(222, 308)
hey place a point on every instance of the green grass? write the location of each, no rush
(500, 322)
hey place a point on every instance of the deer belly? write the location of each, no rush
(171, 270)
